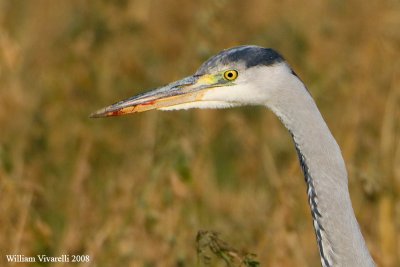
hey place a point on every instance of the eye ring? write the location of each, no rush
(231, 75)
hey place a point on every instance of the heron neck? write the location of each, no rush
(339, 238)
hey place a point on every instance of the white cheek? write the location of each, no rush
(243, 93)
(216, 94)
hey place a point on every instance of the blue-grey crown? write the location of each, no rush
(250, 55)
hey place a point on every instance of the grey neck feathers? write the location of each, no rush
(339, 238)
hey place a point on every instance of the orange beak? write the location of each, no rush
(187, 90)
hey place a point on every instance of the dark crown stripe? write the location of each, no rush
(251, 56)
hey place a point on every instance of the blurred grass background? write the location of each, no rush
(134, 191)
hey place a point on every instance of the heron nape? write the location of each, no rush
(253, 75)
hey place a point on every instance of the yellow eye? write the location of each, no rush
(230, 75)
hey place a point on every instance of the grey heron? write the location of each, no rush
(253, 75)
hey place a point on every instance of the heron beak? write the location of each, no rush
(188, 90)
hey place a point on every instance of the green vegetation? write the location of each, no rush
(134, 191)
(211, 251)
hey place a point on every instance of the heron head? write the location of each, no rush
(244, 75)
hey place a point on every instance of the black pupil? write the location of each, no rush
(230, 74)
